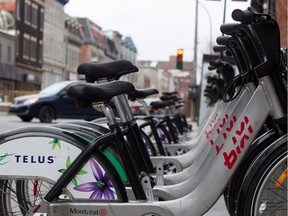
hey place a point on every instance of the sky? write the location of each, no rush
(159, 27)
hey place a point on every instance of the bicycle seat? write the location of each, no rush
(87, 93)
(142, 93)
(179, 106)
(161, 104)
(169, 93)
(106, 71)
(168, 97)
(180, 100)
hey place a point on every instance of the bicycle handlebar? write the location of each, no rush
(222, 40)
(219, 48)
(228, 28)
(245, 17)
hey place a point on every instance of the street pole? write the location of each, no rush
(195, 104)
(224, 13)
(195, 41)
(210, 24)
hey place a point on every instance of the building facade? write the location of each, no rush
(94, 43)
(128, 50)
(73, 42)
(164, 76)
(116, 37)
(40, 45)
(8, 74)
(29, 17)
(54, 49)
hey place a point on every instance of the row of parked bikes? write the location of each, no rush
(159, 165)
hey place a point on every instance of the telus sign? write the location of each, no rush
(32, 159)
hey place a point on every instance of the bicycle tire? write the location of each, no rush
(148, 144)
(232, 190)
(15, 197)
(109, 150)
(21, 195)
(163, 133)
(272, 161)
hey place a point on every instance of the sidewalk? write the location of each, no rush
(4, 106)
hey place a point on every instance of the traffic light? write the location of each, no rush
(179, 60)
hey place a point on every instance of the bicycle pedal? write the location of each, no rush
(151, 178)
(159, 175)
(146, 184)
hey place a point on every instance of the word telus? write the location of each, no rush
(32, 159)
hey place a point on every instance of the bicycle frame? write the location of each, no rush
(237, 142)
(210, 134)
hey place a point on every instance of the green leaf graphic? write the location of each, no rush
(55, 143)
(74, 180)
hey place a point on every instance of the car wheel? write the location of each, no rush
(26, 118)
(46, 114)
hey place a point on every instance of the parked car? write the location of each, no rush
(51, 103)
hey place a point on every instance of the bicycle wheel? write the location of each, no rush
(18, 197)
(264, 190)
(164, 135)
(96, 180)
(148, 144)
(232, 190)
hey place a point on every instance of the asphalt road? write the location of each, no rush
(8, 122)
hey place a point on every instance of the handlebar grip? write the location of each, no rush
(219, 48)
(245, 17)
(228, 28)
(212, 68)
(222, 40)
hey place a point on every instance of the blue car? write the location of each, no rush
(51, 103)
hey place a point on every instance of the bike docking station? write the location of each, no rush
(239, 150)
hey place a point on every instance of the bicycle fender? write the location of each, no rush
(259, 160)
(45, 152)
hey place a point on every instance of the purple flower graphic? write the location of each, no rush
(102, 188)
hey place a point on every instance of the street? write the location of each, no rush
(8, 122)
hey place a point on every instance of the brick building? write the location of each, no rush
(94, 42)
(164, 76)
(29, 43)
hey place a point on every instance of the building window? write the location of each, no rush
(17, 47)
(34, 19)
(9, 54)
(18, 7)
(41, 19)
(33, 42)
(40, 54)
(26, 46)
(27, 12)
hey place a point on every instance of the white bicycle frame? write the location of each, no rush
(195, 135)
(184, 161)
(211, 186)
(179, 184)
(33, 159)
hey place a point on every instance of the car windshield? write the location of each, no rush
(55, 88)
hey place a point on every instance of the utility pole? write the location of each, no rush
(195, 106)
(195, 42)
